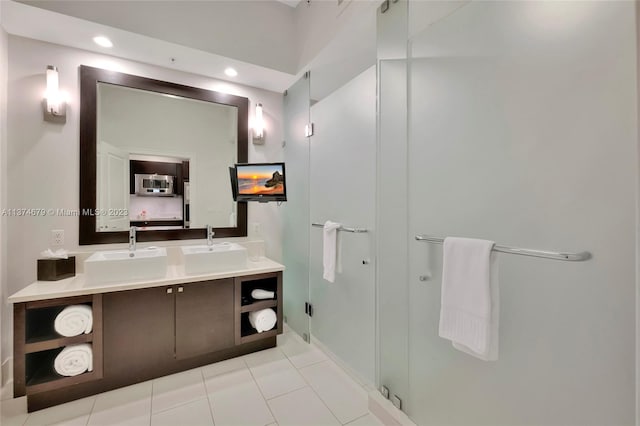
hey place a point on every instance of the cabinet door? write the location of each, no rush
(204, 317)
(138, 332)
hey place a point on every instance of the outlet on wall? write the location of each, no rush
(57, 237)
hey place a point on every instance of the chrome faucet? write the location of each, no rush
(132, 239)
(210, 235)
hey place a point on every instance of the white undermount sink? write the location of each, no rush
(124, 265)
(218, 257)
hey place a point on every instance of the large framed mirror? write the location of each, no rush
(156, 155)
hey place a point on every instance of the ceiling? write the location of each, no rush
(261, 32)
(261, 39)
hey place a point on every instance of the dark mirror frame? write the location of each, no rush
(89, 79)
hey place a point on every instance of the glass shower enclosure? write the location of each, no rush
(514, 122)
(296, 209)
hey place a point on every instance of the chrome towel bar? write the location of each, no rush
(583, 255)
(343, 228)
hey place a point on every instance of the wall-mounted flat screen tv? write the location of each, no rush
(261, 182)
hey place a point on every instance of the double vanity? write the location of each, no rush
(156, 311)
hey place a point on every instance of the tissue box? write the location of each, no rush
(56, 269)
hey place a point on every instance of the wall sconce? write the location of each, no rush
(54, 104)
(258, 126)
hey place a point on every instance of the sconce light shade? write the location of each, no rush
(54, 105)
(258, 126)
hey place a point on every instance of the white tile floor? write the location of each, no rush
(293, 384)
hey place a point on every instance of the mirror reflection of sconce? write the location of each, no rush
(258, 126)
(54, 103)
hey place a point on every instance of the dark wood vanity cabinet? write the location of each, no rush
(142, 334)
(151, 328)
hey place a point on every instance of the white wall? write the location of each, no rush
(5, 310)
(43, 157)
(349, 50)
(318, 21)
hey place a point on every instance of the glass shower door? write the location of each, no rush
(342, 182)
(296, 209)
(391, 221)
(521, 128)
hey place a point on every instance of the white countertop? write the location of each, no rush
(76, 286)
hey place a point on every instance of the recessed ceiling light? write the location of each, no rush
(231, 72)
(102, 41)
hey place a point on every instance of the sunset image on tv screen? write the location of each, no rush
(261, 180)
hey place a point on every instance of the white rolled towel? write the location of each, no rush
(263, 320)
(74, 360)
(74, 320)
(259, 293)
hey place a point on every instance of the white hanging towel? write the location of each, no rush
(469, 312)
(330, 250)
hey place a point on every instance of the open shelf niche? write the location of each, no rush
(36, 344)
(245, 304)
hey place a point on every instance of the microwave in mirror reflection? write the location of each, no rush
(154, 184)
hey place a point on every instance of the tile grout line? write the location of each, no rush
(348, 375)
(350, 372)
(182, 403)
(29, 415)
(286, 358)
(313, 363)
(243, 357)
(316, 362)
(266, 401)
(320, 398)
(206, 391)
(357, 418)
(204, 381)
(332, 364)
(151, 401)
(92, 407)
(286, 393)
